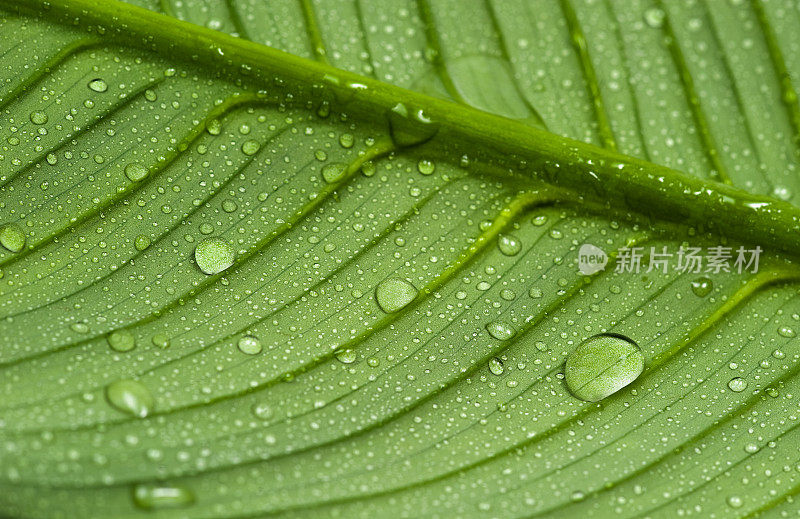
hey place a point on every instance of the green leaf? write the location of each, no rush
(391, 336)
(704, 87)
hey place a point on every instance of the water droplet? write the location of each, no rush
(121, 340)
(130, 396)
(702, 286)
(161, 340)
(785, 331)
(213, 255)
(737, 384)
(426, 167)
(333, 172)
(159, 496)
(261, 410)
(500, 330)
(229, 206)
(654, 17)
(214, 127)
(496, 366)
(346, 140)
(38, 117)
(249, 345)
(409, 126)
(346, 356)
(98, 85)
(394, 294)
(251, 147)
(602, 365)
(735, 501)
(79, 327)
(509, 245)
(135, 171)
(12, 237)
(141, 242)
(150, 95)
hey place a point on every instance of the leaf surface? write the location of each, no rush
(391, 336)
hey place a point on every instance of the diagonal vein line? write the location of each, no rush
(118, 106)
(501, 38)
(592, 84)
(380, 149)
(318, 48)
(720, 171)
(236, 19)
(788, 92)
(45, 68)
(235, 101)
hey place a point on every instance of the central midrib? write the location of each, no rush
(587, 169)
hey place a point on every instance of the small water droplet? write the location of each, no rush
(735, 501)
(496, 366)
(602, 365)
(159, 496)
(500, 330)
(214, 127)
(251, 147)
(250, 345)
(394, 294)
(141, 242)
(131, 397)
(346, 356)
(702, 286)
(229, 206)
(346, 140)
(509, 245)
(38, 117)
(135, 171)
(79, 327)
(214, 255)
(654, 17)
(98, 85)
(12, 237)
(262, 410)
(161, 340)
(121, 340)
(426, 167)
(737, 384)
(333, 171)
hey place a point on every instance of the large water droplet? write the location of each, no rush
(98, 85)
(213, 255)
(785, 331)
(131, 397)
(602, 365)
(157, 497)
(394, 294)
(122, 341)
(249, 345)
(12, 237)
